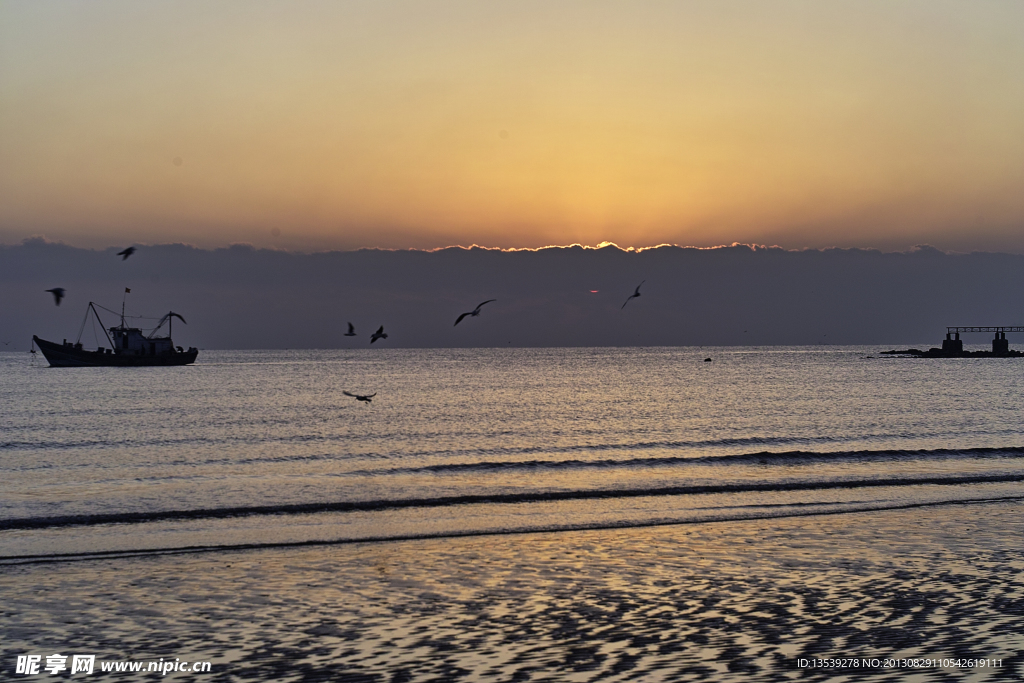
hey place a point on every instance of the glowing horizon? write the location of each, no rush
(43, 240)
(317, 126)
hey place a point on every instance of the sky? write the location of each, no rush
(311, 126)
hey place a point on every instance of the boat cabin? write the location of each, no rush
(130, 340)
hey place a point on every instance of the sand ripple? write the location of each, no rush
(723, 601)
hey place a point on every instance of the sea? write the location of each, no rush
(263, 449)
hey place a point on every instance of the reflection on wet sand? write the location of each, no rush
(723, 601)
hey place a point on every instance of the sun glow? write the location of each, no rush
(379, 125)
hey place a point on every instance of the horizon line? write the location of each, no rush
(42, 239)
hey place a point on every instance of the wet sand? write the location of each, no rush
(727, 601)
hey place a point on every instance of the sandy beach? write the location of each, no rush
(724, 601)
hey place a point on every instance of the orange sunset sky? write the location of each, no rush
(336, 125)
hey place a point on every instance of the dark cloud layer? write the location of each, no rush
(240, 297)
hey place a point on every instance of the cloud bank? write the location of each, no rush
(245, 298)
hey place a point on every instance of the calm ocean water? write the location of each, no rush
(262, 447)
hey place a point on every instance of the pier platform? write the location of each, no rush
(953, 346)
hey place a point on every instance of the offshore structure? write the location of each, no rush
(953, 345)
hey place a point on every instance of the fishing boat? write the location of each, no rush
(129, 346)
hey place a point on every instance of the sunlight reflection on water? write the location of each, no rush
(272, 428)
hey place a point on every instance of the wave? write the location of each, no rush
(767, 458)
(764, 457)
(630, 524)
(345, 438)
(24, 523)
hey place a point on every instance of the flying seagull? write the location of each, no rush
(58, 294)
(475, 312)
(379, 334)
(634, 294)
(366, 399)
(126, 253)
(351, 331)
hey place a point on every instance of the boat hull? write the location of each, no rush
(67, 356)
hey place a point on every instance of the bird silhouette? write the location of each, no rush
(365, 398)
(634, 294)
(475, 312)
(379, 334)
(126, 253)
(58, 294)
(351, 331)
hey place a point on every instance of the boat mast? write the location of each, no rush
(123, 299)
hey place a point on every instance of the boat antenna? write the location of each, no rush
(123, 299)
